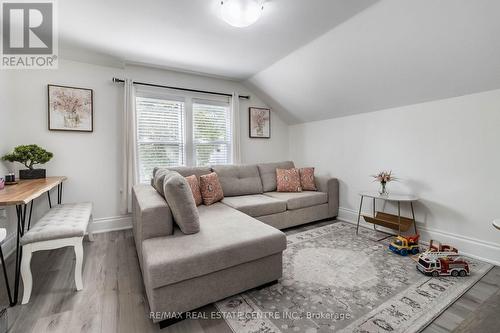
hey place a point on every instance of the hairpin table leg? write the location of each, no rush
(359, 214)
(21, 224)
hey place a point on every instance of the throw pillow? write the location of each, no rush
(159, 179)
(180, 199)
(288, 180)
(211, 190)
(194, 184)
(307, 179)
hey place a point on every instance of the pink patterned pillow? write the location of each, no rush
(194, 184)
(288, 180)
(211, 191)
(307, 179)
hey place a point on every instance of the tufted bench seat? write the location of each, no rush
(63, 225)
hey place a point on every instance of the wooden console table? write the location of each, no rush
(395, 222)
(21, 195)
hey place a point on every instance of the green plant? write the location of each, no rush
(29, 155)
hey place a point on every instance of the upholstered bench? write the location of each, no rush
(63, 225)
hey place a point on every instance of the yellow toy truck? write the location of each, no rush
(405, 245)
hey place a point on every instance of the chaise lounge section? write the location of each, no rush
(234, 250)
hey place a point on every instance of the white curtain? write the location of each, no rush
(235, 107)
(130, 175)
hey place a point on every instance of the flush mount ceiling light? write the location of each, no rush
(241, 13)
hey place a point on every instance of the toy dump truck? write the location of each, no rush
(405, 245)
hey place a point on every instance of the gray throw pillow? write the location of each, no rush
(159, 179)
(180, 199)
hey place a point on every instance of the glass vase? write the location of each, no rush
(383, 189)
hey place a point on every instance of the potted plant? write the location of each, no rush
(29, 155)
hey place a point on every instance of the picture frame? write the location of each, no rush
(259, 123)
(70, 108)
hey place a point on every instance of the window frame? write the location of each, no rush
(189, 99)
(229, 142)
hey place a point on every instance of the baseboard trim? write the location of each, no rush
(114, 223)
(471, 247)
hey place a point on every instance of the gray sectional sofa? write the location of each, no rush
(234, 251)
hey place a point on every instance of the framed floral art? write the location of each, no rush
(70, 109)
(259, 123)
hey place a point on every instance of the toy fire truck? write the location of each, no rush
(438, 247)
(405, 245)
(436, 263)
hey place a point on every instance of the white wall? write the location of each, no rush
(5, 130)
(446, 152)
(6, 111)
(92, 161)
(394, 53)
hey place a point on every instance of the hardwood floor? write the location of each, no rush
(477, 311)
(113, 297)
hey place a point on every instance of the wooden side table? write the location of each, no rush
(395, 222)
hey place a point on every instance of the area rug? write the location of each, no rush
(336, 281)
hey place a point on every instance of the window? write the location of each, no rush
(423, 263)
(211, 133)
(160, 134)
(181, 130)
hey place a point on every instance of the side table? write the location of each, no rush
(395, 222)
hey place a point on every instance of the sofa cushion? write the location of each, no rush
(256, 204)
(210, 188)
(181, 201)
(188, 171)
(194, 184)
(159, 179)
(227, 238)
(239, 179)
(296, 200)
(155, 170)
(307, 180)
(267, 173)
(288, 180)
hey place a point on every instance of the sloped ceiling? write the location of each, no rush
(394, 53)
(188, 35)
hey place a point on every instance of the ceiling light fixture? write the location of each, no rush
(241, 13)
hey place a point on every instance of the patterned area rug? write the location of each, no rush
(336, 281)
